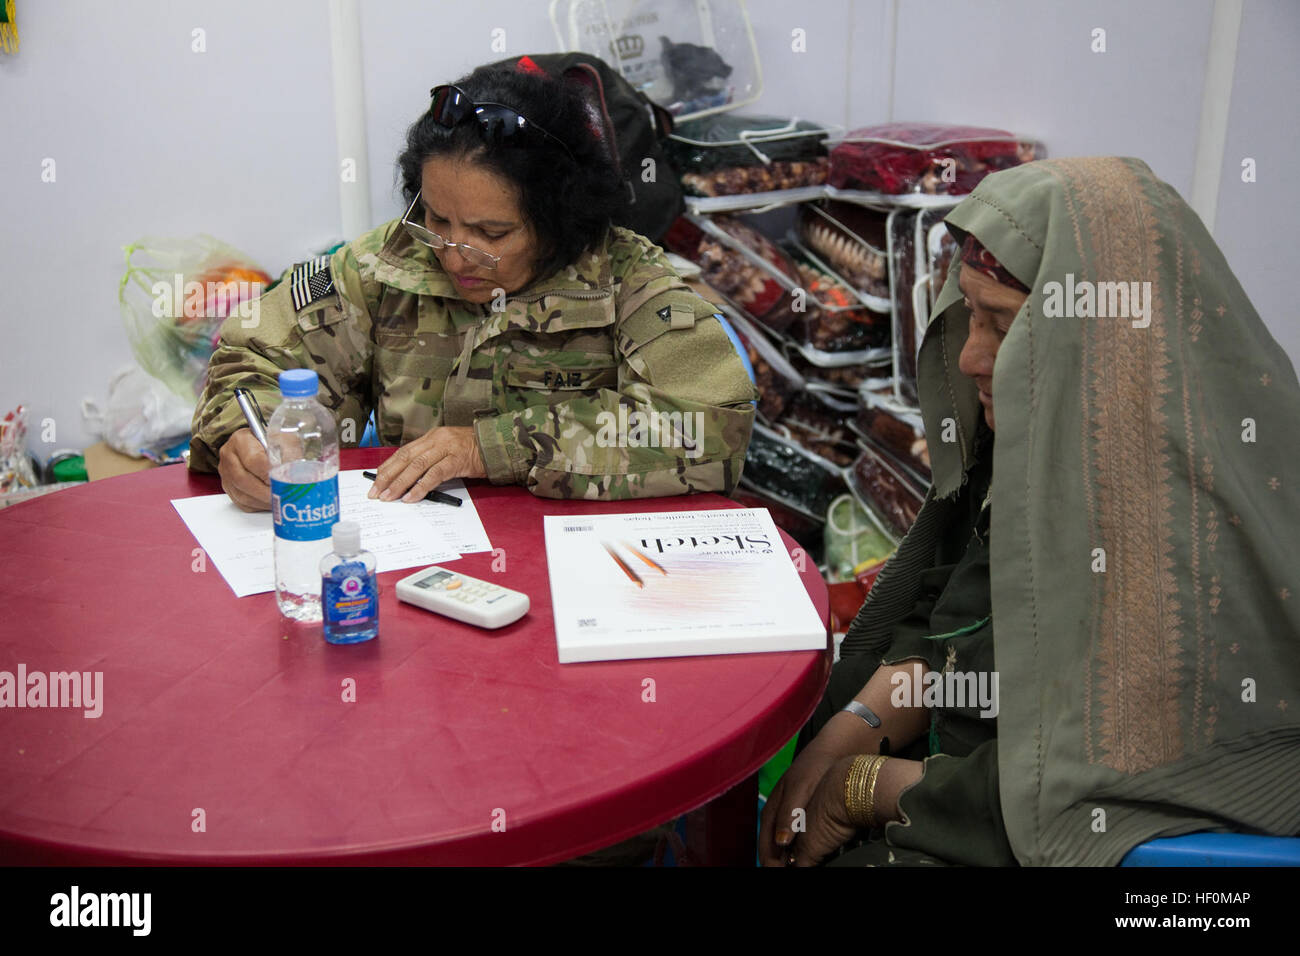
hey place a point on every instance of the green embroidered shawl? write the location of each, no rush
(1160, 695)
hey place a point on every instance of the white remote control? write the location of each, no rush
(462, 597)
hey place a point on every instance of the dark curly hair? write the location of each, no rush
(570, 201)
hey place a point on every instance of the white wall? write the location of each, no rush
(1255, 222)
(151, 138)
(410, 46)
(1027, 65)
(148, 138)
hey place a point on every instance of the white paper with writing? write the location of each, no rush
(240, 544)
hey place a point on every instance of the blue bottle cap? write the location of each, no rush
(299, 383)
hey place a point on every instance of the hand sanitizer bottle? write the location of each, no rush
(349, 593)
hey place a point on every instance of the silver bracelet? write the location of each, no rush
(866, 713)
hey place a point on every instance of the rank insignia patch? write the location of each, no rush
(678, 316)
(311, 282)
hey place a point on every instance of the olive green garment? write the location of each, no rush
(609, 379)
(954, 817)
(1145, 583)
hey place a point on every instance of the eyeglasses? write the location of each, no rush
(478, 257)
(498, 122)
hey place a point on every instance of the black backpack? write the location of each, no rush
(635, 129)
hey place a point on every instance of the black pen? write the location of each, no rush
(439, 496)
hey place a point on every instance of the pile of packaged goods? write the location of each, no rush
(805, 334)
(819, 429)
(851, 239)
(923, 250)
(880, 423)
(927, 158)
(842, 323)
(751, 270)
(832, 316)
(728, 154)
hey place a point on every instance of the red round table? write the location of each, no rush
(225, 737)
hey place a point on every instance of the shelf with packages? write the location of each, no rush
(832, 312)
(817, 404)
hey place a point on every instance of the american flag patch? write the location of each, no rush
(311, 282)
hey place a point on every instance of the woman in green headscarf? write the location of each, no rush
(1128, 537)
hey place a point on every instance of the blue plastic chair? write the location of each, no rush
(1216, 849)
(740, 346)
(370, 437)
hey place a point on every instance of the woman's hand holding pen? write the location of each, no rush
(418, 467)
(415, 469)
(245, 472)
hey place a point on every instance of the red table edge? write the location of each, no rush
(20, 850)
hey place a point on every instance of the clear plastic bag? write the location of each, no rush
(851, 240)
(818, 428)
(725, 155)
(782, 467)
(175, 295)
(751, 270)
(141, 416)
(842, 324)
(854, 537)
(694, 57)
(886, 489)
(881, 422)
(843, 380)
(929, 158)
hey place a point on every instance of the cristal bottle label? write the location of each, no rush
(305, 511)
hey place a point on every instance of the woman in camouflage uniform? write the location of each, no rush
(503, 328)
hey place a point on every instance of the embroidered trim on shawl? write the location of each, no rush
(1139, 683)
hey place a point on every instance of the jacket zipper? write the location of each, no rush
(567, 293)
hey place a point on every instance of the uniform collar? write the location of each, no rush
(412, 266)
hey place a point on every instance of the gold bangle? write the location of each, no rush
(860, 790)
(855, 789)
(851, 788)
(871, 791)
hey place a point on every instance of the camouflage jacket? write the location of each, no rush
(609, 379)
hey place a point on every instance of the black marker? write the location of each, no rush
(439, 496)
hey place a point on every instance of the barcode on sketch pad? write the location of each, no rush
(578, 527)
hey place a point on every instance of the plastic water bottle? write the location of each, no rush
(349, 593)
(303, 447)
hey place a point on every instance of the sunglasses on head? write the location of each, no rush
(499, 123)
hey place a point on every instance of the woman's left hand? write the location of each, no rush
(828, 826)
(420, 466)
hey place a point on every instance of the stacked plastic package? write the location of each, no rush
(833, 311)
